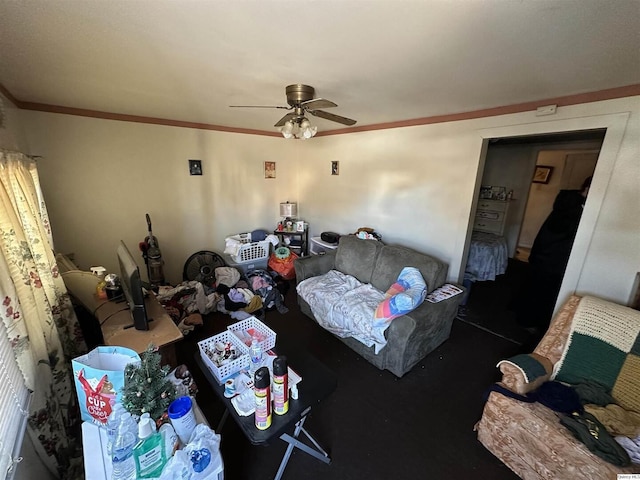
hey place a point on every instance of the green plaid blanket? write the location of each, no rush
(604, 347)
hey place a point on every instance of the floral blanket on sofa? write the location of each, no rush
(345, 306)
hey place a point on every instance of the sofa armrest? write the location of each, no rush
(514, 378)
(314, 265)
(410, 337)
(548, 351)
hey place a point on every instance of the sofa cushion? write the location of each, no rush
(392, 259)
(357, 257)
(604, 347)
(407, 293)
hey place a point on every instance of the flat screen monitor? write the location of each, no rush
(132, 287)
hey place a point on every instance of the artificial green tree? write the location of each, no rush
(146, 387)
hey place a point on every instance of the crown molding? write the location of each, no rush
(589, 97)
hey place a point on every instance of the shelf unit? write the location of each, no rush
(298, 241)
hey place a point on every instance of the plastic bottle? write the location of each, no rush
(256, 356)
(170, 438)
(262, 389)
(152, 423)
(113, 422)
(101, 286)
(280, 385)
(149, 452)
(124, 466)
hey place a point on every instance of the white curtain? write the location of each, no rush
(38, 315)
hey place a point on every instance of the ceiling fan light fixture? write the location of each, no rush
(298, 128)
(287, 129)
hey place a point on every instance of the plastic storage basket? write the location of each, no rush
(250, 251)
(243, 331)
(228, 369)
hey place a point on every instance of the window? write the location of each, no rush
(14, 404)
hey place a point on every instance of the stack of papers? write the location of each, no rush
(447, 290)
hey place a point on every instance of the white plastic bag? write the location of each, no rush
(178, 467)
(203, 452)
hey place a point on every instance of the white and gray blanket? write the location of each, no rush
(345, 306)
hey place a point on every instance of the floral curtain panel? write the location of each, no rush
(39, 316)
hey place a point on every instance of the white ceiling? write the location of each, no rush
(379, 60)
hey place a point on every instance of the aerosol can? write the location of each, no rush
(262, 390)
(152, 257)
(280, 385)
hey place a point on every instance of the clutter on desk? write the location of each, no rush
(101, 284)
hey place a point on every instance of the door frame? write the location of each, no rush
(615, 125)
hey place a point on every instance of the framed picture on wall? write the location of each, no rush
(269, 169)
(542, 174)
(335, 168)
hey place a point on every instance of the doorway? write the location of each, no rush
(510, 165)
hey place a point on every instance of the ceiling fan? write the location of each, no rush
(301, 101)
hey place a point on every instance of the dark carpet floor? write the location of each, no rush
(490, 306)
(374, 426)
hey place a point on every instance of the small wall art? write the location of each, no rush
(269, 169)
(542, 174)
(335, 168)
(195, 167)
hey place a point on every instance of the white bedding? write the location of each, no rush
(345, 306)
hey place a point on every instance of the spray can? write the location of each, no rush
(262, 389)
(280, 385)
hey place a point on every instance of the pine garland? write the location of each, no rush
(146, 387)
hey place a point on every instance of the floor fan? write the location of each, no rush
(201, 267)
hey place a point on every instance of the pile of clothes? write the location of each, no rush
(231, 294)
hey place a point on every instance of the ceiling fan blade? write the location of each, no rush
(332, 117)
(283, 120)
(317, 103)
(260, 106)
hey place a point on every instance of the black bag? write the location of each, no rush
(330, 237)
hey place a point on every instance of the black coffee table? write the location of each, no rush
(318, 382)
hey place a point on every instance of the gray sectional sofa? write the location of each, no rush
(409, 337)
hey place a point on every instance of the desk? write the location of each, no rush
(163, 332)
(318, 382)
(113, 317)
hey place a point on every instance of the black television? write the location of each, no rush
(132, 287)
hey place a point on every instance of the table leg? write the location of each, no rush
(293, 442)
(222, 420)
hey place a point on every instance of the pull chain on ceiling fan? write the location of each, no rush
(301, 101)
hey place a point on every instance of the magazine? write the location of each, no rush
(447, 290)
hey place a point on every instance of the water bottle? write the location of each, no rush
(112, 425)
(124, 466)
(130, 423)
(256, 356)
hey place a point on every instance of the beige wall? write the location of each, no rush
(416, 186)
(11, 135)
